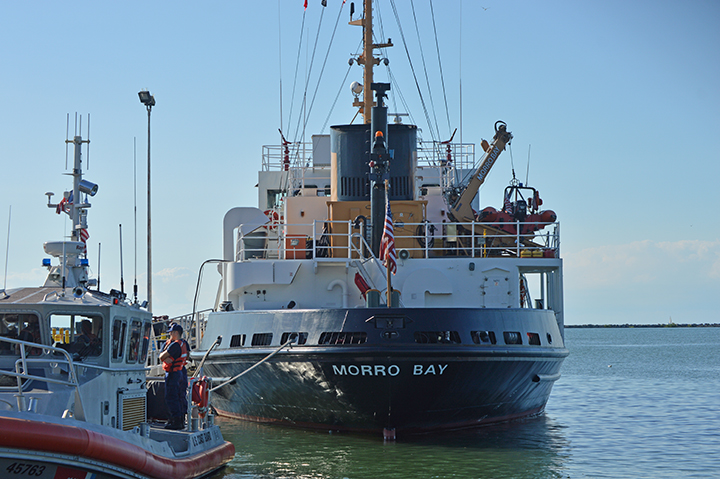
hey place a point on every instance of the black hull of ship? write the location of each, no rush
(396, 384)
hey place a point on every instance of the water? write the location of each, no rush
(631, 403)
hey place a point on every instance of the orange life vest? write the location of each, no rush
(179, 363)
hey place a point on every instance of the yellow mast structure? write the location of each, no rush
(368, 61)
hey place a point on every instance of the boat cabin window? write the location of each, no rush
(77, 333)
(118, 338)
(139, 340)
(22, 326)
(273, 198)
(134, 341)
(145, 342)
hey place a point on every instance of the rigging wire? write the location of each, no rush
(392, 95)
(527, 173)
(297, 65)
(342, 85)
(427, 78)
(396, 90)
(442, 76)
(401, 96)
(322, 69)
(412, 68)
(307, 79)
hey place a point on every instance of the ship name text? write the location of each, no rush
(382, 370)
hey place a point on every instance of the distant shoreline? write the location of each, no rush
(665, 325)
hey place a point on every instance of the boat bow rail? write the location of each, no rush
(22, 372)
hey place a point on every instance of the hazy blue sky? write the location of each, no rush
(619, 102)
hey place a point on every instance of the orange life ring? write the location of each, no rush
(200, 395)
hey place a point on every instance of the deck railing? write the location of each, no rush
(429, 153)
(331, 240)
(193, 329)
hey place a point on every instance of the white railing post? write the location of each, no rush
(314, 235)
(427, 240)
(349, 239)
(472, 239)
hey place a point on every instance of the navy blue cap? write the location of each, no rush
(175, 327)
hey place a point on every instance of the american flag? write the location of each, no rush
(387, 243)
(64, 204)
(84, 235)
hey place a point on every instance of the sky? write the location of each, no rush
(617, 105)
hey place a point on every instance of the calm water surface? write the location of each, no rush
(635, 403)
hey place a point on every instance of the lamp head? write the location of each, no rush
(146, 98)
(88, 187)
(356, 88)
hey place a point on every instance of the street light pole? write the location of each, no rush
(149, 101)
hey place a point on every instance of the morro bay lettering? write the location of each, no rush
(419, 369)
(488, 163)
(366, 370)
(382, 370)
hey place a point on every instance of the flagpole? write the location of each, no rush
(387, 262)
(389, 287)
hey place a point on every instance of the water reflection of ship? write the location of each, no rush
(532, 448)
(470, 331)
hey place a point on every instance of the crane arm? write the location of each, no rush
(461, 211)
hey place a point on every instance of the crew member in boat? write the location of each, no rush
(174, 356)
(31, 333)
(87, 342)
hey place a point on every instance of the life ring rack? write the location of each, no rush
(201, 395)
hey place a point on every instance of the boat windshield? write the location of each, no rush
(23, 326)
(77, 333)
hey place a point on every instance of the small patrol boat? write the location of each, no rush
(73, 396)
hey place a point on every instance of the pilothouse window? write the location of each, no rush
(23, 326)
(134, 341)
(118, 339)
(78, 333)
(145, 342)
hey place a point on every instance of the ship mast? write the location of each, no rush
(368, 60)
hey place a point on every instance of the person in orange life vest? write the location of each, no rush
(174, 356)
